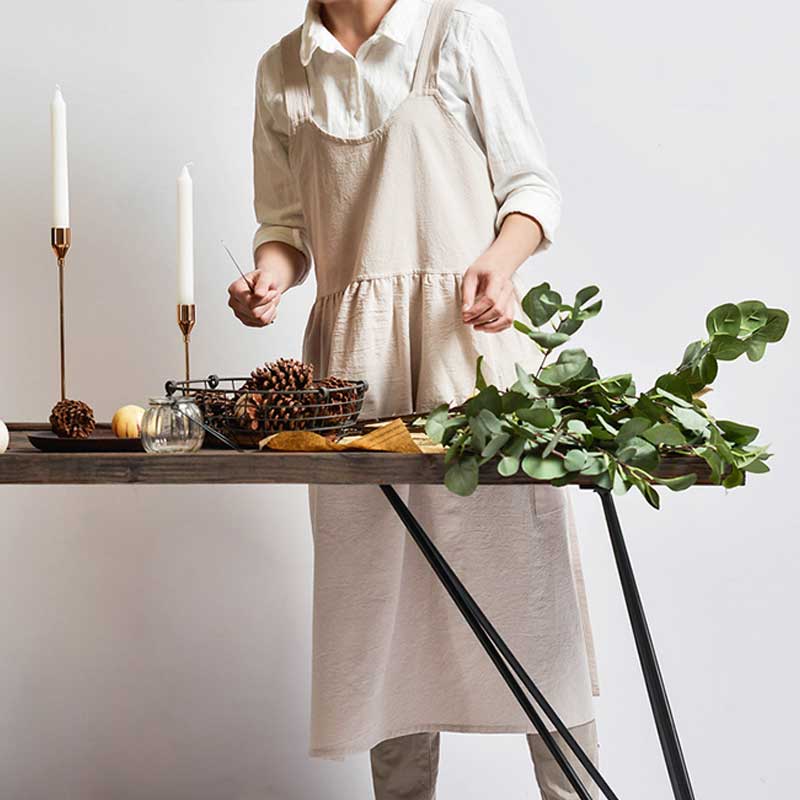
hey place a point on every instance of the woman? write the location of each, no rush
(394, 143)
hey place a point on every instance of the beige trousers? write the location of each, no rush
(406, 768)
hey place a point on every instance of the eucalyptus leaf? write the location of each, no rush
(540, 303)
(461, 477)
(480, 433)
(543, 469)
(664, 433)
(678, 483)
(522, 327)
(734, 478)
(512, 400)
(525, 381)
(736, 432)
(434, 425)
(549, 341)
(575, 460)
(480, 381)
(541, 417)
(645, 407)
(639, 452)
(508, 466)
(494, 445)
(727, 348)
(692, 353)
(690, 419)
(724, 319)
(590, 311)
(755, 348)
(551, 445)
(595, 464)
(570, 325)
(569, 365)
(486, 398)
(707, 369)
(675, 387)
(578, 428)
(775, 327)
(754, 315)
(585, 295)
(490, 420)
(651, 495)
(633, 427)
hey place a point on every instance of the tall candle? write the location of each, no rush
(185, 239)
(58, 140)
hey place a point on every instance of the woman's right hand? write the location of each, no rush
(256, 308)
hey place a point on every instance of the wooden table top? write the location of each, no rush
(24, 464)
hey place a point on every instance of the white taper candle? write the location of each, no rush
(58, 138)
(185, 238)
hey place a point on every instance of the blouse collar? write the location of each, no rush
(396, 25)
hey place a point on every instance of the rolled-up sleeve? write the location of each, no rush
(277, 203)
(522, 180)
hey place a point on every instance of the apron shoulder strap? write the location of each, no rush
(295, 82)
(427, 69)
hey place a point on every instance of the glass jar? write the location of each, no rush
(172, 425)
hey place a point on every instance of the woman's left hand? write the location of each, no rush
(487, 296)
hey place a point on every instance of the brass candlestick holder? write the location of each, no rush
(60, 240)
(186, 318)
(72, 419)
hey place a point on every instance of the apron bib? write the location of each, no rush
(394, 218)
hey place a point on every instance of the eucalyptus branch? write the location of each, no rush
(564, 420)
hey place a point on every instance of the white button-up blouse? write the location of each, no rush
(352, 95)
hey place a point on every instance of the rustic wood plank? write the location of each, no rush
(23, 464)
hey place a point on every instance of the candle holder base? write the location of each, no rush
(187, 316)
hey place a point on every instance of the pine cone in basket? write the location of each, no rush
(336, 406)
(249, 411)
(285, 374)
(216, 407)
(72, 419)
(276, 382)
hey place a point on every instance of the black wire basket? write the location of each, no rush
(245, 415)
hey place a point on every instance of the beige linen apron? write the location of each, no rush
(394, 219)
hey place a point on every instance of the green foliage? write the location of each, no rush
(565, 422)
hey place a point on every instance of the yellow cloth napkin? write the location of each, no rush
(392, 437)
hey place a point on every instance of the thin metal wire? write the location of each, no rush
(236, 264)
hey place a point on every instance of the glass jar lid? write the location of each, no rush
(169, 400)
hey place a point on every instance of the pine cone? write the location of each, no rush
(249, 411)
(276, 382)
(215, 406)
(337, 406)
(283, 374)
(284, 413)
(72, 419)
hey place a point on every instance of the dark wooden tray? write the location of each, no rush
(101, 441)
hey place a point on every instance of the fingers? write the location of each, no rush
(469, 286)
(501, 323)
(492, 289)
(254, 299)
(264, 287)
(252, 312)
(491, 305)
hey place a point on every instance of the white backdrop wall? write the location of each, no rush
(155, 641)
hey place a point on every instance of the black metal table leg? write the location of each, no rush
(659, 702)
(498, 650)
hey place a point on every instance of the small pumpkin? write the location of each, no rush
(127, 422)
